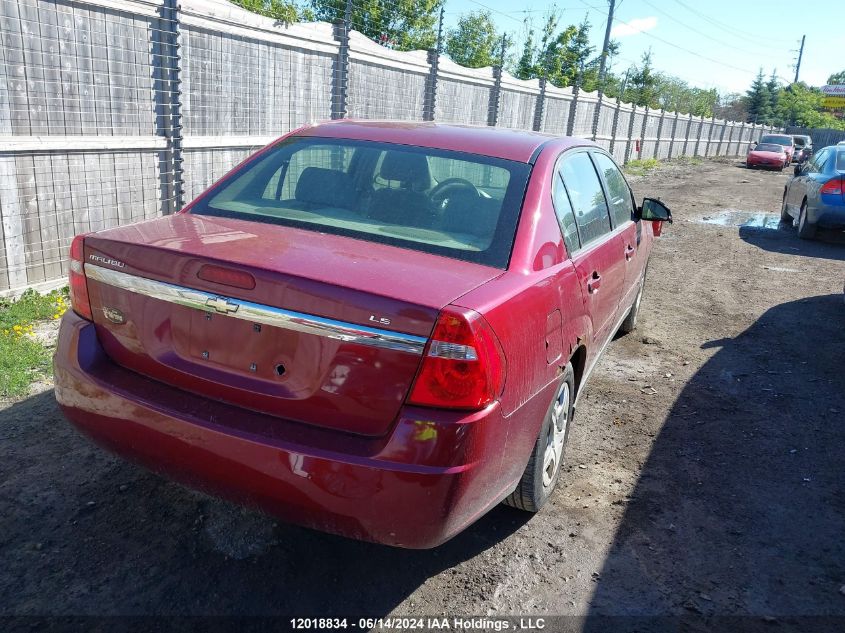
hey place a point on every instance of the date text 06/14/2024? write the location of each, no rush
(420, 623)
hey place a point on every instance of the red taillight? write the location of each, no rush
(833, 186)
(77, 281)
(463, 367)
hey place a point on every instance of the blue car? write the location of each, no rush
(816, 194)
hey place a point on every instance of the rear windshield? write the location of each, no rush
(800, 141)
(448, 203)
(780, 140)
(768, 147)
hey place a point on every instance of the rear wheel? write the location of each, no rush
(806, 231)
(543, 469)
(630, 322)
(784, 212)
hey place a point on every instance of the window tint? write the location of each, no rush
(587, 197)
(816, 163)
(483, 177)
(618, 193)
(323, 156)
(565, 215)
(454, 204)
(777, 138)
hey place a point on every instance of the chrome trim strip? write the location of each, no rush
(258, 313)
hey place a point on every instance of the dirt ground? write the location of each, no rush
(705, 471)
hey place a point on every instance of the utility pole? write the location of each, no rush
(604, 50)
(800, 54)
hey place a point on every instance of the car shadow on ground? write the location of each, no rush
(784, 239)
(739, 507)
(86, 533)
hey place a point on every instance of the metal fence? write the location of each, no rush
(822, 137)
(113, 111)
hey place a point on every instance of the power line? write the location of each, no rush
(672, 44)
(724, 26)
(510, 17)
(705, 35)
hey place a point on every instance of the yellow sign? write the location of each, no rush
(833, 102)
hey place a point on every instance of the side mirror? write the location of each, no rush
(653, 210)
(797, 170)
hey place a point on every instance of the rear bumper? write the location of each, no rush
(431, 476)
(827, 216)
(764, 163)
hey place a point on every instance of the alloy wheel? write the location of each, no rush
(553, 455)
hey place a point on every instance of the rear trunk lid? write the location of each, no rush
(322, 329)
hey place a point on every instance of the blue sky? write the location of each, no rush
(711, 43)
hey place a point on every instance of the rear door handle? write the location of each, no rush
(594, 283)
(629, 252)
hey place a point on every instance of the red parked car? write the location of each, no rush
(784, 140)
(770, 155)
(374, 329)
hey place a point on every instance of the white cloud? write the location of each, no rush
(632, 27)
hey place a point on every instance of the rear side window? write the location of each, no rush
(817, 162)
(587, 197)
(840, 161)
(618, 192)
(565, 215)
(454, 204)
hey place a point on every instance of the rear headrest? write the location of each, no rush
(406, 167)
(324, 187)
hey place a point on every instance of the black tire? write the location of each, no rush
(630, 322)
(806, 231)
(785, 218)
(534, 489)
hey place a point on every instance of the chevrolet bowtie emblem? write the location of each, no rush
(221, 304)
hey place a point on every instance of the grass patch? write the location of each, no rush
(641, 167)
(689, 160)
(24, 359)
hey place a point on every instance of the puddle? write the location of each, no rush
(736, 217)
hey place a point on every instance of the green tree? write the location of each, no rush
(526, 66)
(407, 24)
(279, 10)
(801, 105)
(474, 42)
(577, 58)
(642, 85)
(758, 101)
(836, 78)
(773, 89)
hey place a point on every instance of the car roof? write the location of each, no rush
(516, 145)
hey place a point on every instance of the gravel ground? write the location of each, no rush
(705, 471)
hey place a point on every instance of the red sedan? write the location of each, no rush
(768, 155)
(373, 329)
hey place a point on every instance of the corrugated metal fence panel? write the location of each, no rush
(556, 115)
(822, 137)
(462, 103)
(516, 109)
(368, 84)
